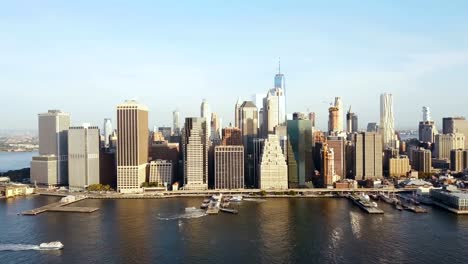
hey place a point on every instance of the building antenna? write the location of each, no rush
(279, 65)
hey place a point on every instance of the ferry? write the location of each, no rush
(236, 199)
(56, 245)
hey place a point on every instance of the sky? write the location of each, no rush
(85, 57)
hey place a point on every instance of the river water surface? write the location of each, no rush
(279, 230)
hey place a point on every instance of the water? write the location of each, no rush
(276, 231)
(15, 160)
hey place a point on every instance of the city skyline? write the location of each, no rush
(80, 58)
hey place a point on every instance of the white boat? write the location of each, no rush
(56, 245)
(237, 198)
(191, 209)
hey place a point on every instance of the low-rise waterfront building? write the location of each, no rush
(451, 199)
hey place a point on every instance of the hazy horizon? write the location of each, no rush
(86, 57)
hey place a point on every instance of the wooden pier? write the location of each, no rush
(61, 207)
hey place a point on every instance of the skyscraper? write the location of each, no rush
(333, 120)
(237, 113)
(444, 143)
(427, 128)
(132, 145)
(51, 166)
(328, 166)
(232, 136)
(351, 122)
(273, 167)
(249, 128)
(83, 156)
(229, 167)
(312, 117)
(367, 156)
(175, 123)
(337, 144)
(274, 112)
(455, 125)
(339, 106)
(300, 143)
(107, 131)
(387, 126)
(205, 112)
(195, 145)
(215, 127)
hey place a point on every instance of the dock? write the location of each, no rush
(367, 209)
(212, 210)
(61, 207)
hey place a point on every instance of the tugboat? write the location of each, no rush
(56, 245)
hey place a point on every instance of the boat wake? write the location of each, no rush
(188, 214)
(18, 247)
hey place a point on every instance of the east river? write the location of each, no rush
(280, 230)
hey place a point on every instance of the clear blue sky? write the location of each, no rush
(84, 57)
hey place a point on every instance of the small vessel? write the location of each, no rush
(254, 200)
(236, 199)
(189, 209)
(56, 245)
(399, 207)
(374, 196)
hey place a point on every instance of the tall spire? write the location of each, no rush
(279, 65)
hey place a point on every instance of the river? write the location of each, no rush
(15, 160)
(281, 230)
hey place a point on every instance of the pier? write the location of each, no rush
(367, 209)
(61, 206)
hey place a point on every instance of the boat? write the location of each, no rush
(56, 245)
(189, 209)
(254, 200)
(398, 207)
(229, 210)
(236, 199)
(374, 196)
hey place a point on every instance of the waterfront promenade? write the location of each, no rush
(294, 193)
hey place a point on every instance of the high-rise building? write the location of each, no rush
(176, 123)
(333, 119)
(337, 144)
(387, 122)
(452, 125)
(215, 127)
(107, 131)
(312, 117)
(132, 145)
(300, 144)
(195, 146)
(427, 128)
(83, 156)
(458, 160)
(229, 167)
(328, 166)
(249, 127)
(399, 166)
(166, 132)
(205, 112)
(232, 136)
(51, 166)
(339, 106)
(372, 127)
(160, 171)
(444, 143)
(237, 113)
(422, 160)
(273, 167)
(273, 111)
(351, 122)
(367, 159)
(258, 145)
